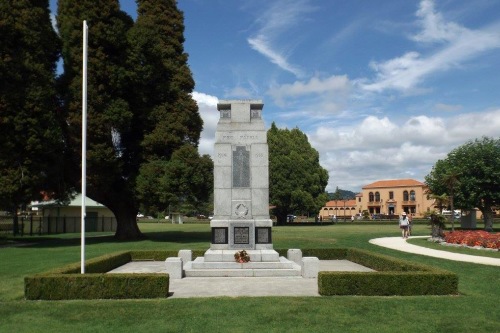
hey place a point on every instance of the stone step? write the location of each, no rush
(228, 255)
(200, 268)
(200, 263)
(241, 272)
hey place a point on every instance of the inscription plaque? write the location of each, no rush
(262, 235)
(241, 167)
(219, 235)
(241, 235)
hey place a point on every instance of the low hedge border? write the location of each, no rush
(67, 283)
(392, 277)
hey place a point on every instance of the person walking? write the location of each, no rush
(403, 224)
(410, 223)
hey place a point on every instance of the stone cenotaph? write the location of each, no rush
(241, 178)
(241, 205)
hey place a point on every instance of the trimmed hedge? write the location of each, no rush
(67, 282)
(95, 286)
(392, 277)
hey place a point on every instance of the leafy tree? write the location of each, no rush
(111, 169)
(441, 201)
(31, 138)
(296, 179)
(470, 176)
(161, 81)
(186, 178)
(139, 109)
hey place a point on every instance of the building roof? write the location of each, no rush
(340, 203)
(393, 183)
(75, 202)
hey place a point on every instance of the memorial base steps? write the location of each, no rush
(221, 263)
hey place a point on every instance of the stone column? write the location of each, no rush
(241, 178)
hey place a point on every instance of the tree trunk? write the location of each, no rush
(126, 225)
(281, 218)
(15, 223)
(125, 211)
(488, 219)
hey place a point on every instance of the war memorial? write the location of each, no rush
(241, 242)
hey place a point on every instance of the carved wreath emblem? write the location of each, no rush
(241, 210)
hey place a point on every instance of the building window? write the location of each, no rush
(359, 199)
(377, 197)
(412, 195)
(391, 195)
(405, 196)
(370, 197)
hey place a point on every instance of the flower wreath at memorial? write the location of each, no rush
(241, 256)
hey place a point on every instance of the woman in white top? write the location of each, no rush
(403, 224)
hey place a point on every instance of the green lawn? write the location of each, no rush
(474, 310)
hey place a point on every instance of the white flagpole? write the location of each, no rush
(84, 142)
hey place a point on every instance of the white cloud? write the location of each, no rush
(275, 21)
(434, 27)
(261, 45)
(378, 148)
(315, 86)
(460, 44)
(207, 106)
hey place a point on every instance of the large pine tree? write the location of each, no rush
(139, 107)
(167, 117)
(30, 135)
(162, 81)
(110, 172)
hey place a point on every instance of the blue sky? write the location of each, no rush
(383, 89)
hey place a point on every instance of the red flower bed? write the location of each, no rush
(474, 238)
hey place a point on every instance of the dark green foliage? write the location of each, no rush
(67, 283)
(100, 264)
(31, 146)
(393, 277)
(111, 164)
(326, 254)
(160, 255)
(140, 110)
(296, 179)
(387, 283)
(380, 262)
(470, 177)
(186, 177)
(162, 81)
(96, 286)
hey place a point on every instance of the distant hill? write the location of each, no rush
(344, 194)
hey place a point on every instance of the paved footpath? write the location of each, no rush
(400, 244)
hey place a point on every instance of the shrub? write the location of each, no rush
(95, 286)
(393, 277)
(67, 283)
